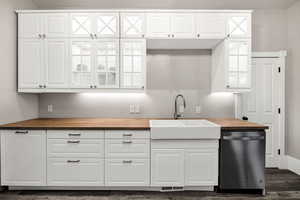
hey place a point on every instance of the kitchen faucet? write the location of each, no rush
(176, 114)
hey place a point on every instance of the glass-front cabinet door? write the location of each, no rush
(133, 63)
(82, 71)
(81, 25)
(107, 25)
(239, 25)
(239, 62)
(132, 25)
(107, 63)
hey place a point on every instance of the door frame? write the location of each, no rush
(281, 55)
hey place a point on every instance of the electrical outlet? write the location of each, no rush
(50, 108)
(198, 109)
(131, 109)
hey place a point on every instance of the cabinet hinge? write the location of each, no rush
(278, 151)
(279, 69)
(279, 110)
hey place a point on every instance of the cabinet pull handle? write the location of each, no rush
(227, 86)
(173, 35)
(40, 86)
(95, 86)
(128, 135)
(40, 35)
(169, 35)
(92, 36)
(73, 142)
(21, 132)
(95, 35)
(74, 134)
(73, 161)
(143, 35)
(45, 86)
(127, 161)
(91, 86)
(198, 35)
(44, 36)
(127, 142)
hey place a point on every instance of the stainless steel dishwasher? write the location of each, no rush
(242, 160)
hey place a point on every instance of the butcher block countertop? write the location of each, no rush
(118, 123)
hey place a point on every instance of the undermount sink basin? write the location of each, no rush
(184, 129)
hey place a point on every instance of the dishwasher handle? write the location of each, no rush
(243, 138)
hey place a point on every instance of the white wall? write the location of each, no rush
(13, 106)
(293, 82)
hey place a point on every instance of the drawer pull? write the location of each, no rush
(127, 135)
(73, 141)
(73, 161)
(127, 142)
(74, 134)
(21, 132)
(127, 161)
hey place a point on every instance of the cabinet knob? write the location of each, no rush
(143, 35)
(227, 86)
(44, 36)
(91, 86)
(45, 86)
(173, 35)
(198, 35)
(95, 35)
(169, 35)
(40, 86)
(40, 35)
(92, 36)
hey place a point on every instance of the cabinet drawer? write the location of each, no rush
(129, 172)
(128, 134)
(75, 148)
(75, 172)
(130, 148)
(75, 134)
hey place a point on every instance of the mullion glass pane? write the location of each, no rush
(127, 79)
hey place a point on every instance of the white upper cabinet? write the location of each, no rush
(239, 25)
(211, 25)
(133, 25)
(81, 59)
(158, 25)
(37, 26)
(95, 25)
(107, 63)
(107, 25)
(183, 25)
(239, 62)
(56, 63)
(81, 25)
(30, 63)
(133, 63)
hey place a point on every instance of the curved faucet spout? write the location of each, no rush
(176, 113)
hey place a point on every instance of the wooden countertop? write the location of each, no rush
(118, 123)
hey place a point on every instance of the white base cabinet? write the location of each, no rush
(106, 159)
(23, 158)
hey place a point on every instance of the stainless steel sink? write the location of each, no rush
(184, 129)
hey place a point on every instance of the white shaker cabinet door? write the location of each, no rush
(133, 63)
(158, 25)
(167, 167)
(23, 156)
(133, 25)
(30, 25)
(30, 64)
(201, 167)
(56, 25)
(107, 63)
(107, 25)
(82, 63)
(183, 25)
(81, 25)
(56, 63)
(211, 25)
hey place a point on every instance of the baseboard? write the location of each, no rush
(293, 164)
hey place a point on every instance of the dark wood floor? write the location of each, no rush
(281, 185)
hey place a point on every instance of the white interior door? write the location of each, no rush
(262, 103)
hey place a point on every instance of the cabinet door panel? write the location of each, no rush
(132, 25)
(82, 63)
(127, 172)
(239, 25)
(81, 25)
(133, 63)
(167, 167)
(211, 25)
(23, 156)
(56, 63)
(75, 172)
(201, 167)
(30, 68)
(183, 25)
(158, 25)
(30, 25)
(56, 25)
(107, 25)
(107, 63)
